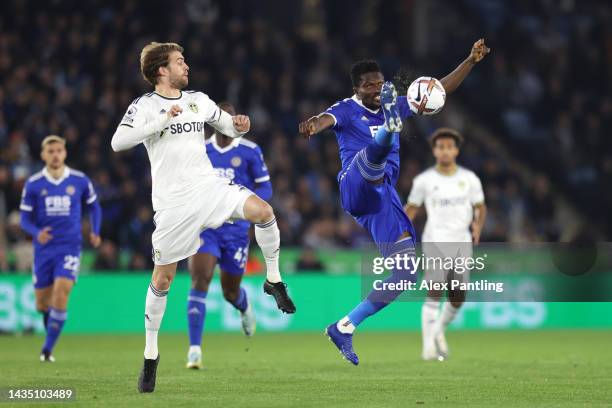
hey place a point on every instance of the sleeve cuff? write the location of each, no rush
(332, 115)
(262, 179)
(24, 207)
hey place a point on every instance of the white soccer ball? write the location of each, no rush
(426, 96)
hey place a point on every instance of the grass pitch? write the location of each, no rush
(486, 369)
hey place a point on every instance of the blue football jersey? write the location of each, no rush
(355, 127)
(58, 203)
(242, 162)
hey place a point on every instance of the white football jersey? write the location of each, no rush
(179, 164)
(449, 201)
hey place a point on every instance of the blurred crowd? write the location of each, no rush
(72, 69)
(550, 84)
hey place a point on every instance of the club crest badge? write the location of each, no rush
(70, 190)
(236, 161)
(156, 255)
(193, 107)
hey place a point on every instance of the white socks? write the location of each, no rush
(448, 315)
(155, 305)
(429, 315)
(345, 326)
(267, 236)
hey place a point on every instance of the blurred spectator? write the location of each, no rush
(107, 257)
(308, 261)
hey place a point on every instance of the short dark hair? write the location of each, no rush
(446, 133)
(363, 67)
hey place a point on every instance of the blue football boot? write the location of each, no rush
(388, 102)
(343, 341)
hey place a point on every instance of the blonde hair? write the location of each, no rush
(52, 139)
(153, 56)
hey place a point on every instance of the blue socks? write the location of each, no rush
(379, 299)
(364, 310)
(196, 312)
(241, 302)
(55, 324)
(372, 160)
(383, 137)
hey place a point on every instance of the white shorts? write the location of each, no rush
(177, 229)
(436, 271)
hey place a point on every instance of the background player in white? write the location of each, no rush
(454, 201)
(188, 196)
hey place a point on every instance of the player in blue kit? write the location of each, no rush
(51, 208)
(241, 161)
(367, 127)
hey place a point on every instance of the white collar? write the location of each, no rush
(235, 142)
(53, 180)
(358, 102)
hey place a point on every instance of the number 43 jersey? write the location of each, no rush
(58, 203)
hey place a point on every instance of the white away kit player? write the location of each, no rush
(454, 201)
(188, 195)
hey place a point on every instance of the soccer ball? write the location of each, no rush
(426, 96)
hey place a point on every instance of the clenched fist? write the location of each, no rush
(242, 123)
(174, 111)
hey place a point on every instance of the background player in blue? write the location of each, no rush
(51, 208)
(241, 161)
(367, 127)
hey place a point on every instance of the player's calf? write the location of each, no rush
(155, 306)
(43, 302)
(429, 316)
(267, 236)
(448, 314)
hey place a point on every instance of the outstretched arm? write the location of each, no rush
(316, 124)
(127, 136)
(452, 81)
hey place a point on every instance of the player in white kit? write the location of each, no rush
(188, 196)
(454, 201)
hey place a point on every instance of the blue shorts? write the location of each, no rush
(229, 246)
(53, 263)
(376, 207)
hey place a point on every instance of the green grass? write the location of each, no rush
(487, 369)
